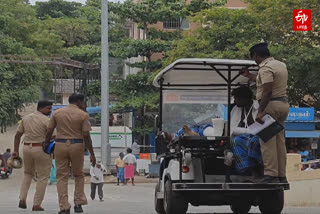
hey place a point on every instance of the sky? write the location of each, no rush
(33, 1)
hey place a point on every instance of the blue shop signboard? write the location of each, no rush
(300, 119)
(301, 114)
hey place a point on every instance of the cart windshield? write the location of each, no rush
(192, 108)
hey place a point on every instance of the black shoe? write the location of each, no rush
(22, 204)
(64, 212)
(283, 180)
(268, 179)
(78, 209)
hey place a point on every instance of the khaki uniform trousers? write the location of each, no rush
(274, 152)
(36, 162)
(66, 153)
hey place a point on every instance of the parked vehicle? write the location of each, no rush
(120, 138)
(4, 173)
(192, 168)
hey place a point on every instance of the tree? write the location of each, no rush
(145, 13)
(17, 19)
(57, 9)
(19, 84)
(226, 33)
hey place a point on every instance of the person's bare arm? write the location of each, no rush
(245, 72)
(88, 144)
(265, 99)
(17, 139)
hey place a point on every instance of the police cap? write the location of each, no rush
(259, 46)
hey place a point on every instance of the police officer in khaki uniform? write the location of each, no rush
(272, 86)
(73, 136)
(34, 129)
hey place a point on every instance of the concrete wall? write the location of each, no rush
(304, 185)
(304, 193)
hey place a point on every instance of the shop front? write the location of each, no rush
(301, 134)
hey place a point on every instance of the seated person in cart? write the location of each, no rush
(246, 147)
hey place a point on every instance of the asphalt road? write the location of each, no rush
(117, 200)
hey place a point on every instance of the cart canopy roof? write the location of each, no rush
(197, 73)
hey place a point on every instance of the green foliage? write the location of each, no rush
(226, 33)
(85, 53)
(94, 90)
(196, 6)
(17, 19)
(46, 43)
(133, 48)
(57, 9)
(164, 35)
(153, 65)
(73, 31)
(19, 84)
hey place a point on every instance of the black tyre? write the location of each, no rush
(272, 202)
(240, 207)
(173, 202)
(158, 203)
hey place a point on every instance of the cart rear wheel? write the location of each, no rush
(158, 203)
(173, 202)
(240, 207)
(272, 202)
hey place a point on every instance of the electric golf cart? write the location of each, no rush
(192, 168)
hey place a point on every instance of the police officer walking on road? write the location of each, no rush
(272, 95)
(34, 129)
(73, 136)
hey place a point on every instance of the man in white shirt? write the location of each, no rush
(246, 147)
(96, 173)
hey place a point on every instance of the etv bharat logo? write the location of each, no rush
(301, 20)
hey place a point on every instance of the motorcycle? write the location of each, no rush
(4, 173)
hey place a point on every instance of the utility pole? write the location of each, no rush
(105, 145)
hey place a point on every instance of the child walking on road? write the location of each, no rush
(129, 161)
(96, 173)
(120, 168)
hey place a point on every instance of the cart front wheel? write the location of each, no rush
(173, 202)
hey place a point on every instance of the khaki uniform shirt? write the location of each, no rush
(271, 70)
(34, 127)
(70, 121)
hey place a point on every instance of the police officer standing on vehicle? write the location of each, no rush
(34, 129)
(271, 83)
(73, 136)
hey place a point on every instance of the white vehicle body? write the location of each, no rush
(192, 168)
(120, 138)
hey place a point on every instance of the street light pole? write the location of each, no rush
(105, 145)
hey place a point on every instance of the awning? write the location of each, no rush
(302, 134)
(95, 109)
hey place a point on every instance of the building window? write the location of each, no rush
(176, 23)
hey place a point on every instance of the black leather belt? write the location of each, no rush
(71, 140)
(282, 99)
